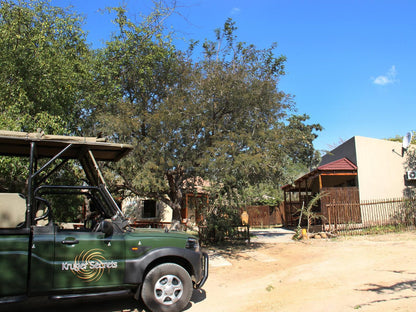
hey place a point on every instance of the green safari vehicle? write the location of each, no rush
(103, 254)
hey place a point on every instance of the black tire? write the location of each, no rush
(167, 288)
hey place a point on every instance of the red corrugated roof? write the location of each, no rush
(340, 164)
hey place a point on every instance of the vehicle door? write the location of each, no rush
(68, 253)
(88, 259)
(14, 245)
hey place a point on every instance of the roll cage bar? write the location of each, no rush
(57, 150)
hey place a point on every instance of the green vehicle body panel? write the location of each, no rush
(13, 263)
(41, 260)
(146, 240)
(93, 262)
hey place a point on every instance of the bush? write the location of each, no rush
(221, 223)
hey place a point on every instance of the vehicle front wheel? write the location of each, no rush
(167, 288)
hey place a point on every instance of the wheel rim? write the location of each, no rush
(168, 289)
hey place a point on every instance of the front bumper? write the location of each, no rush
(205, 264)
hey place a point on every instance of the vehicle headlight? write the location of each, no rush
(192, 243)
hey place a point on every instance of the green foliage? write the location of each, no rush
(410, 162)
(221, 118)
(308, 213)
(399, 138)
(140, 68)
(407, 214)
(384, 229)
(66, 208)
(221, 223)
(45, 76)
(13, 174)
(14, 170)
(262, 193)
(299, 140)
(298, 233)
(44, 67)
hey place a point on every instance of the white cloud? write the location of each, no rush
(388, 78)
(235, 11)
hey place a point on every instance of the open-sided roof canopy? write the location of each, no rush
(14, 143)
(341, 166)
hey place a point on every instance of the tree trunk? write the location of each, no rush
(175, 179)
(176, 213)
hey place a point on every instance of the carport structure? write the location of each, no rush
(338, 180)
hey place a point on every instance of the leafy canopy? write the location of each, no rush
(45, 78)
(220, 117)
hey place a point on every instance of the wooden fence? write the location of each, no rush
(347, 198)
(265, 216)
(347, 217)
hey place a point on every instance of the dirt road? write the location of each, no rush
(372, 273)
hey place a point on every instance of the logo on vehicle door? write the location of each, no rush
(89, 265)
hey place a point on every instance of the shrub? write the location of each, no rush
(221, 223)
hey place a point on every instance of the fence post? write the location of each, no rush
(329, 217)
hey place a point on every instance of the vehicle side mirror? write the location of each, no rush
(107, 228)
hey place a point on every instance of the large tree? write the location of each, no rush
(250, 135)
(220, 117)
(140, 68)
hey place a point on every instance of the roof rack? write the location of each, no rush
(13, 143)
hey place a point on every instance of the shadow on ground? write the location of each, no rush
(102, 304)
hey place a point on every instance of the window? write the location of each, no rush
(149, 209)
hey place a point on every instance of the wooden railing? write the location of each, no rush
(370, 213)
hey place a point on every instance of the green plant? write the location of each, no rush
(221, 223)
(308, 213)
(298, 233)
(381, 229)
(407, 214)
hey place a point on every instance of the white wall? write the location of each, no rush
(381, 168)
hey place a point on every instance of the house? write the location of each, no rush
(154, 213)
(146, 211)
(359, 169)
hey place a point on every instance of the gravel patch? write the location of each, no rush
(273, 235)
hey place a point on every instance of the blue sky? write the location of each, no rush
(350, 63)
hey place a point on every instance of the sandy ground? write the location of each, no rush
(369, 273)
(372, 273)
